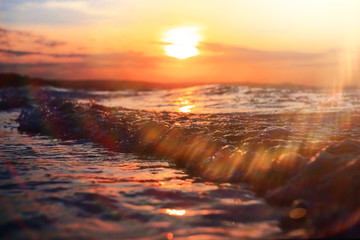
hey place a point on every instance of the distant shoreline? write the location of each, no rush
(17, 80)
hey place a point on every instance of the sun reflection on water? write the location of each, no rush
(176, 212)
(186, 109)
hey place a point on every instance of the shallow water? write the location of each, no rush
(207, 162)
(53, 189)
(236, 99)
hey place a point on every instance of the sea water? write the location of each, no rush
(236, 99)
(206, 162)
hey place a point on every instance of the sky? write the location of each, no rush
(311, 42)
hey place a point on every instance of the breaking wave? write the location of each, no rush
(307, 159)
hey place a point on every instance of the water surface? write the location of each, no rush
(206, 162)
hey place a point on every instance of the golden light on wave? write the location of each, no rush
(181, 42)
(175, 212)
(186, 109)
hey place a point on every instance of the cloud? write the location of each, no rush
(6, 32)
(3, 32)
(75, 65)
(11, 37)
(55, 55)
(37, 55)
(17, 53)
(4, 42)
(29, 50)
(241, 54)
(75, 5)
(49, 12)
(49, 43)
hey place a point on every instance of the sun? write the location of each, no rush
(181, 42)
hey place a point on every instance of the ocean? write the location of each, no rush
(202, 162)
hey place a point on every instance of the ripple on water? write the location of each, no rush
(285, 157)
(81, 191)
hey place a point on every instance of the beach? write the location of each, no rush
(74, 165)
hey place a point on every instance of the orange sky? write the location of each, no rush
(313, 42)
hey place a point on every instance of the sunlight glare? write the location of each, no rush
(181, 42)
(175, 212)
(181, 52)
(186, 109)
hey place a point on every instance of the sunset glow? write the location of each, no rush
(299, 41)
